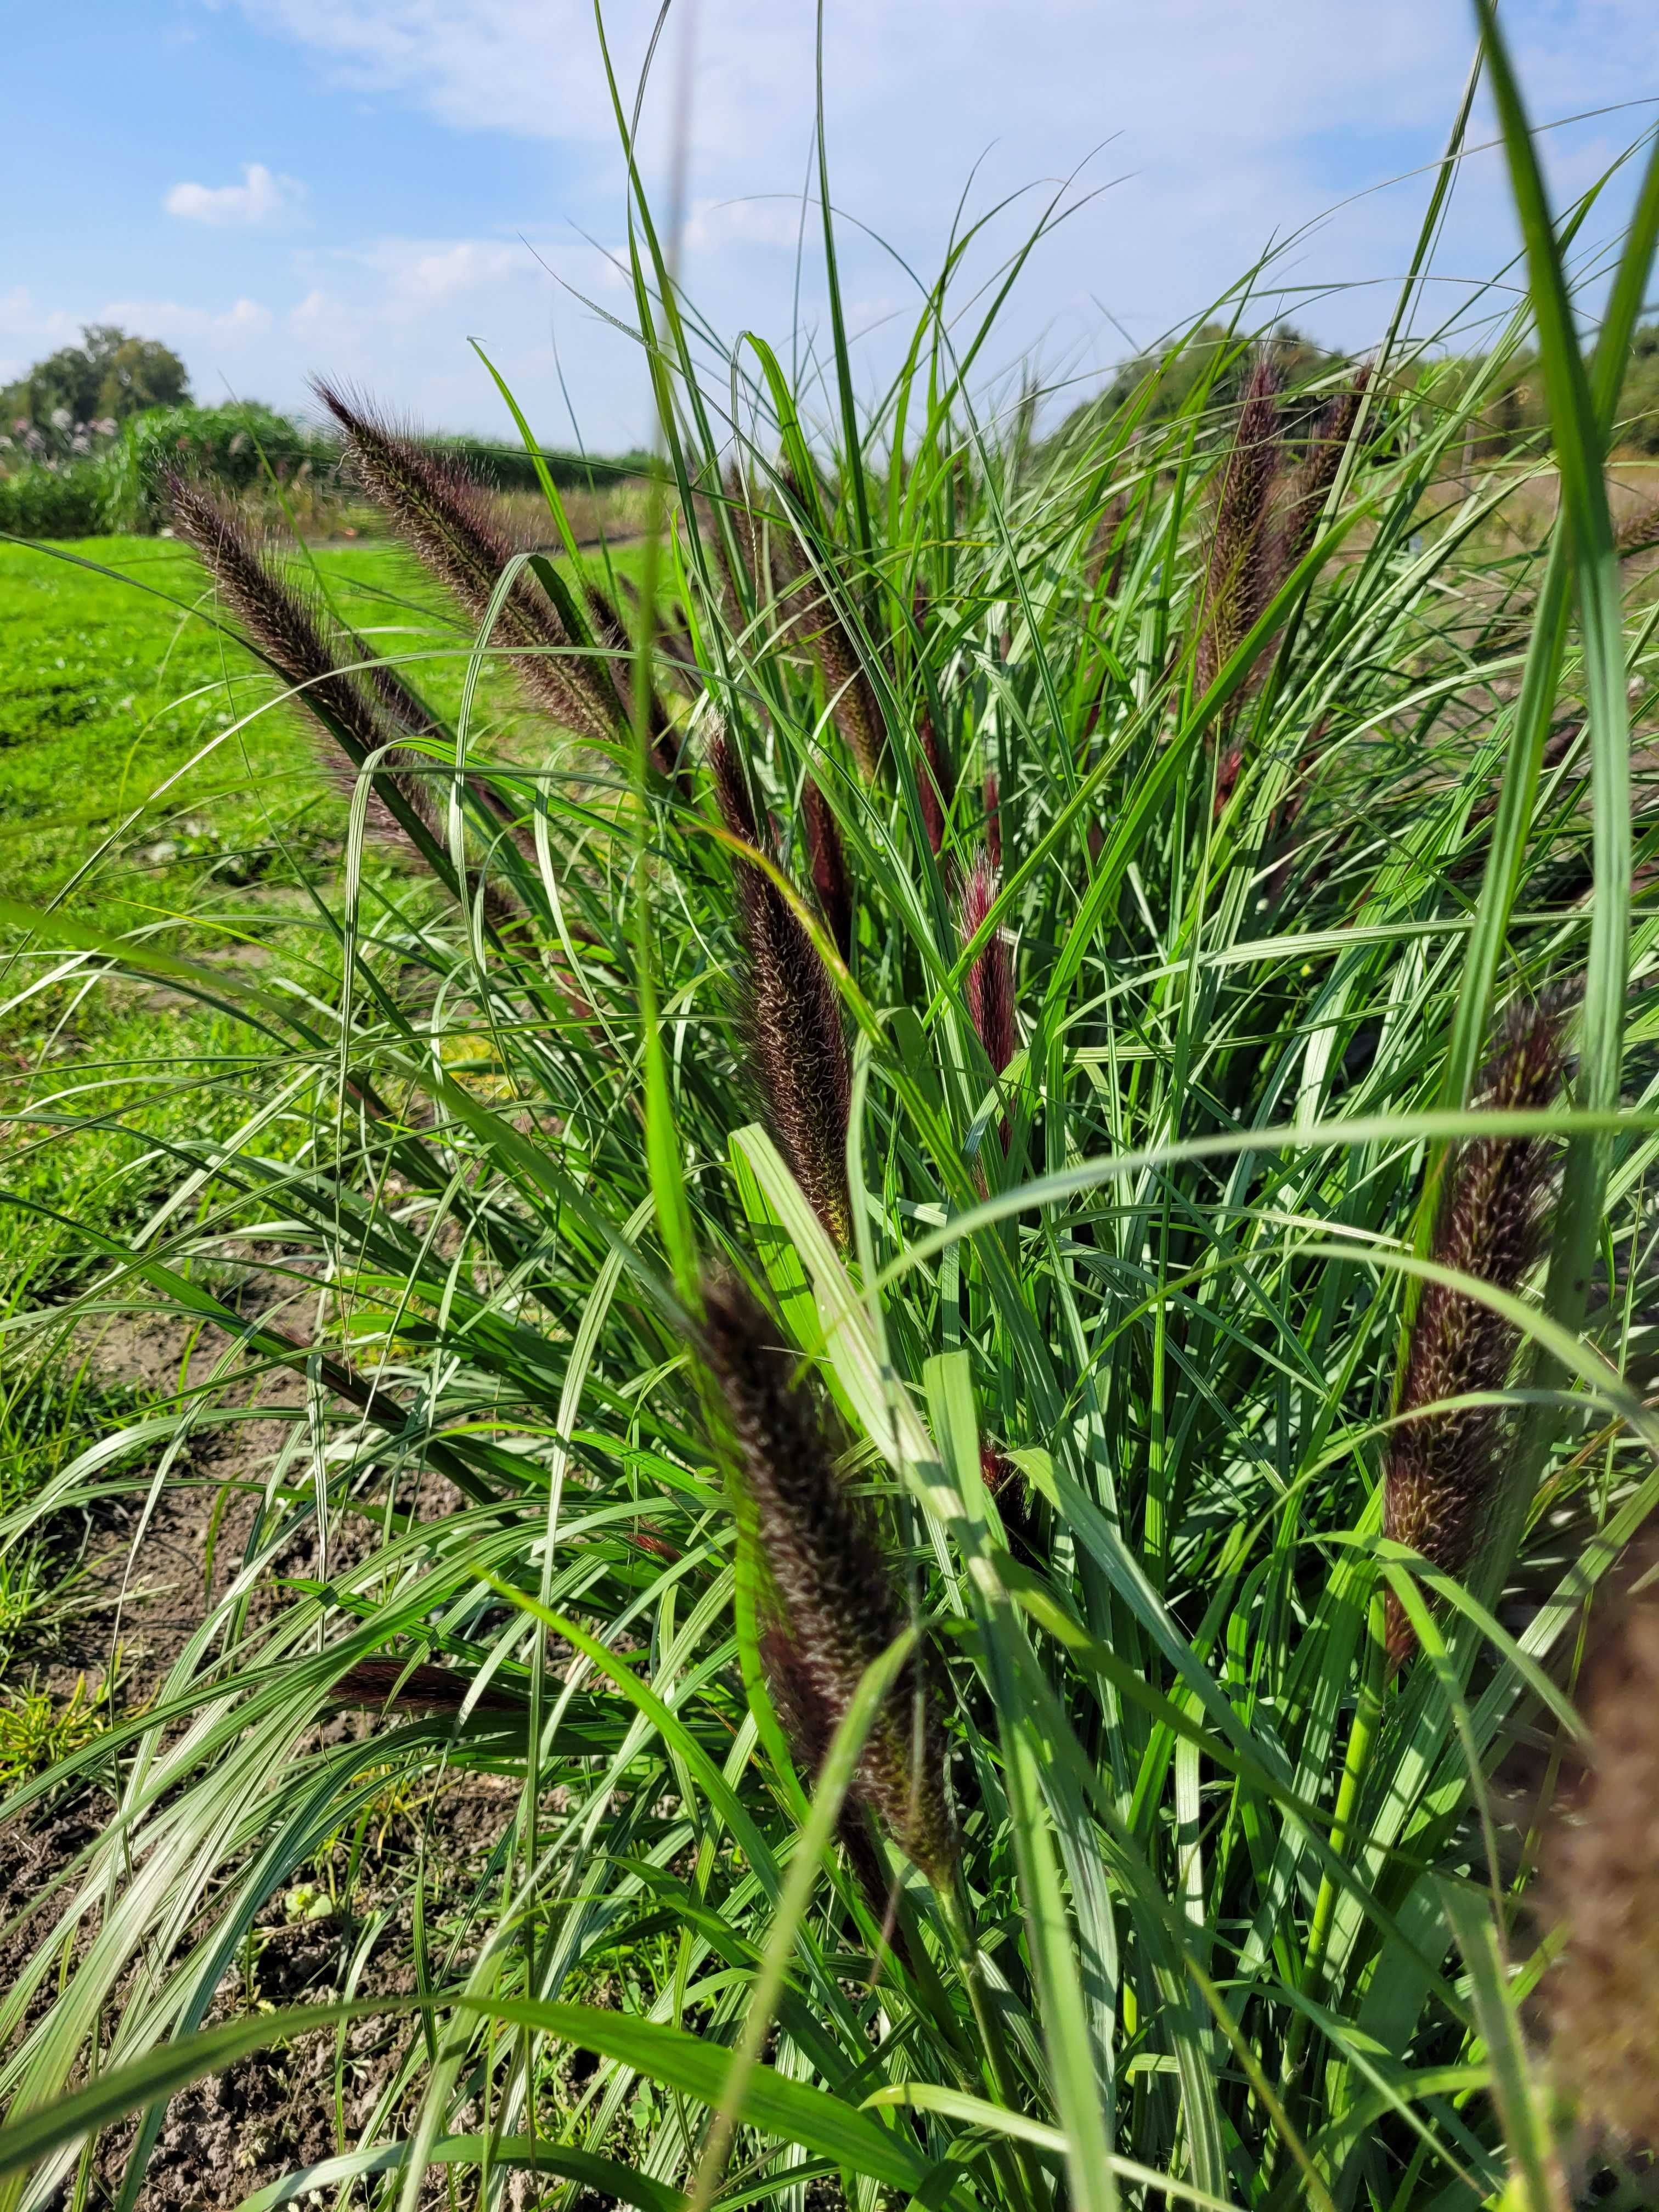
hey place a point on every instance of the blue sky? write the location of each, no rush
(359, 186)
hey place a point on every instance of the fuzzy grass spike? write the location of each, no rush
(1443, 1465)
(445, 517)
(791, 1016)
(841, 1605)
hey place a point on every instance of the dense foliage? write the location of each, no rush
(86, 436)
(110, 375)
(854, 1265)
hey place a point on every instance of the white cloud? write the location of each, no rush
(21, 318)
(775, 220)
(1223, 126)
(439, 272)
(178, 323)
(312, 311)
(396, 315)
(1052, 76)
(1229, 124)
(259, 201)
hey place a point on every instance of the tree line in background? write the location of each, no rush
(1509, 417)
(85, 433)
(108, 377)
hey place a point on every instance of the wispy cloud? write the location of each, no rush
(261, 200)
(397, 312)
(776, 221)
(175, 321)
(21, 318)
(413, 270)
(24, 324)
(1218, 130)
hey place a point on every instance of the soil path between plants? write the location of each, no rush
(143, 1583)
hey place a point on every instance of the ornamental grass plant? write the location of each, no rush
(958, 1273)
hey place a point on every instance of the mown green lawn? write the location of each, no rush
(136, 737)
(150, 778)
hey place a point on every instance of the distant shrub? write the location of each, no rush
(111, 374)
(237, 447)
(510, 468)
(246, 449)
(113, 486)
(66, 501)
(1640, 402)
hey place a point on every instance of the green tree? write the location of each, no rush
(1165, 380)
(141, 373)
(111, 373)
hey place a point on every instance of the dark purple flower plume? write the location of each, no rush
(1008, 1492)
(809, 1725)
(363, 708)
(1443, 1465)
(791, 1017)
(1308, 486)
(804, 611)
(1108, 546)
(446, 519)
(828, 859)
(936, 785)
(1236, 569)
(840, 1606)
(990, 979)
(666, 743)
(419, 1688)
(1638, 532)
(846, 686)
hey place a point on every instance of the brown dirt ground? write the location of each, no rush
(276, 2111)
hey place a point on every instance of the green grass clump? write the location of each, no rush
(38, 1730)
(836, 1247)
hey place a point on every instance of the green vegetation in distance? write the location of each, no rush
(125, 714)
(110, 375)
(86, 434)
(941, 1282)
(1498, 415)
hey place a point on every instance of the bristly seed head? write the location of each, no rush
(445, 517)
(1308, 486)
(828, 859)
(990, 980)
(360, 712)
(814, 613)
(851, 695)
(809, 1727)
(1639, 530)
(1107, 547)
(804, 611)
(1237, 570)
(666, 741)
(936, 785)
(1442, 1466)
(1007, 1489)
(362, 708)
(421, 1687)
(792, 1018)
(840, 1606)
